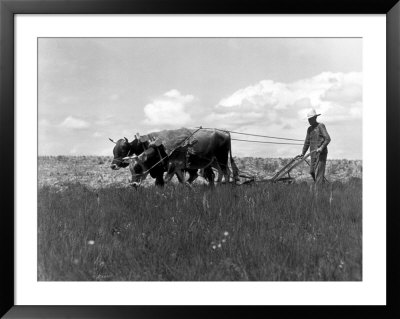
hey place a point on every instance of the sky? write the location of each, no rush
(91, 89)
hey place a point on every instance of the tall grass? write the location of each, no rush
(264, 232)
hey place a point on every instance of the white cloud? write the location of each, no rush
(98, 134)
(336, 95)
(169, 109)
(175, 94)
(279, 109)
(74, 123)
(347, 89)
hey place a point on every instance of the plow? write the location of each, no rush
(282, 175)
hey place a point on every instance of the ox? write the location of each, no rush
(123, 148)
(204, 150)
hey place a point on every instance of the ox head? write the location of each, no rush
(121, 149)
(124, 148)
(139, 169)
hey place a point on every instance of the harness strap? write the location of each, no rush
(163, 158)
(159, 154)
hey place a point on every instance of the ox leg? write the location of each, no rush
(170, 172)
(192, 175)
(180, 176)
(159, 181)
(209, 175)
(225, 172)
(220, 171)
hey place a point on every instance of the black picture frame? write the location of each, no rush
(8, 8)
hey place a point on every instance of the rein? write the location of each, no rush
(163, 158)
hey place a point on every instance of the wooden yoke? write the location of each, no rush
(142, 139)
(157, 142)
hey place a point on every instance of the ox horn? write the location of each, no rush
(157, 142)
(126, 139)
(112, 140)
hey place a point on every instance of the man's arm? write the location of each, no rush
(306, 143)
(327, 138)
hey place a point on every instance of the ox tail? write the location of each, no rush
(234, 167)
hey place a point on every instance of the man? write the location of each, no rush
(317, 140)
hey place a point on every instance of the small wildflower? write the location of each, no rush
(219, 245)
(226, 234)
(223, 240)
(76, 261)
(128, 225)
(90, 242)
(214, 247)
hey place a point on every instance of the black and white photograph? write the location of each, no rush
(200, 159)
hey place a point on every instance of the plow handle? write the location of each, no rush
(284, 170)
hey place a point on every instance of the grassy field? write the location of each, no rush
(92, 227)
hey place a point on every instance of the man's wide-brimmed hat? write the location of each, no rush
(312, 113)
